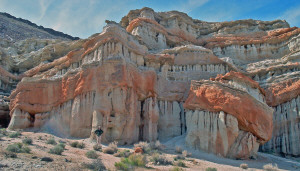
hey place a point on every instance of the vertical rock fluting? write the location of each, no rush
(225, 119)
(286, 134)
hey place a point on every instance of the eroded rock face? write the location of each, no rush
(157, 76)
(225, 119)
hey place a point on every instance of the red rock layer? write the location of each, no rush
(282, 92)
(252, 115)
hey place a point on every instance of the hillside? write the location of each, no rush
(14, 29)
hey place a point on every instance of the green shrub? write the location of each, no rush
(62, 145)
(160, 159)
(210, 169)
(95, 165)
(122, 166)
(74, 144)
(56, 150)
(18, 148)
(51, 141)
(244, 166)
(176, 169)
(14, 134)
(122, 153)
(27, 141)
(3, 131)
(137, 160)
(80, 145)
(144, 145)
(134, 160)
(112, 148)
(270, 167)
(180, 163)
(91, 154)
(179, 157)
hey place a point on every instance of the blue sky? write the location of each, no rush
(83, 18)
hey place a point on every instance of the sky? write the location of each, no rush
(82, 18)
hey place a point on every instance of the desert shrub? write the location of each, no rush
(91, 154)
(270, 167)
(18, 148)
(160, 159)
(186, 154)
(14, 134)
(137, 160)
(134, 160)
(211, 169)
(52, 141)
(74, 144)
(10, 155)
(77, 144)
(244, 166)
(56, 150)
(3, 131)
(180, 163)
(97, 147)
(95, 165)
(27, 141)
(122, 166)
(144, 146)
(80, 145)
(179, 157)
(176, 169)
(122, 153)
(40, 138)
(62, 145)
(112, 148)
(178, 149)
(156, 145)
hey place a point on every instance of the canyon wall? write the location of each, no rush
(229, 87)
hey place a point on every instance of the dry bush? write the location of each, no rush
(244, 166)
(270, 167)
(143, 145)
(186, 154)
(112, 148)
(178, 149)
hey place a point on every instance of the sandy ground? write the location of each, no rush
(72, 158)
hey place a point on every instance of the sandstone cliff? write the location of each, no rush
(135, 79)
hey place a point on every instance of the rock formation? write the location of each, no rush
(160, 75)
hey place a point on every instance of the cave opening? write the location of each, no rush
(141, 126)
(4, 121)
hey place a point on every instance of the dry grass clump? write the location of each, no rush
(186, 154)
(123, 153)
(27, 141)
(144, 146)
(244, 166)
(158, 159)
(91, 154)
(270, 167)
(51, 141)
(156, 145)
(112, 148)
(178, 149)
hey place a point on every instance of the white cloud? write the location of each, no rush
(292, 16)
(44, 4)
(190, 5)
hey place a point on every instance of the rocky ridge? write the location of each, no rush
(135, 80)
